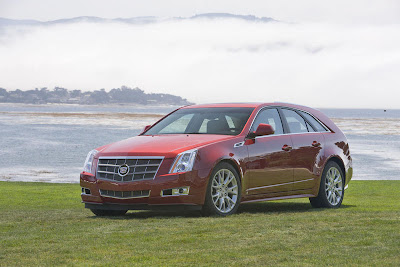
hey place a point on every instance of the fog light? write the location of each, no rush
(85, 191)
(180, 191)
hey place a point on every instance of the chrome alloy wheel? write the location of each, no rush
(224, 190)
(333, 186)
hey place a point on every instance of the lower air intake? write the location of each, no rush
(124, 194)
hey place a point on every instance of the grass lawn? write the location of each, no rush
(46, 224)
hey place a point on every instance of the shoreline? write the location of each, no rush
(83, 114)
(87, 105)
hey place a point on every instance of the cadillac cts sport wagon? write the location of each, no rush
(214, 157)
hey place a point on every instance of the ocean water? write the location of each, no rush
(49, 143)
(362, 113)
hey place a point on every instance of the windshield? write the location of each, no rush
(226, 121)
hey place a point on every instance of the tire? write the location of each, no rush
(223, 191)
(331, 189)
(109, 212)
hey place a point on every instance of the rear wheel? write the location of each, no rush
(223, 191)
(108, 212)
(331, 189)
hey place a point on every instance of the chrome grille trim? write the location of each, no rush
(124, 194)
(112, 165)
(140, 168)
(133, 157)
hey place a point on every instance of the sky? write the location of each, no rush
(343, 54)
(354, 11)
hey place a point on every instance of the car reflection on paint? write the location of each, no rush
(214, 157)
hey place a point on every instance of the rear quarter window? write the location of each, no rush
(317, 125)
(295, 122)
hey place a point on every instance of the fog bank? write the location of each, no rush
(222, 60)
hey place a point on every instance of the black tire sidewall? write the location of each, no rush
(322, 194)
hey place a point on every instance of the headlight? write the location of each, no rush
(184, 161)
(89, 161)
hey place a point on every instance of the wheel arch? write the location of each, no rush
(234, 164)
(339, 162)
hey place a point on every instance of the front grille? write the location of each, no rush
(128, 169)
(124, 194)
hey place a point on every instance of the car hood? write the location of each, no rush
(168, 145)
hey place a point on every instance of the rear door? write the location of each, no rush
(307, 150)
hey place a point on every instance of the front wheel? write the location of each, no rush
(108, 212)
(331, 189)
(223, 191)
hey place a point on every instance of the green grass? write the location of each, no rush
(46, 224)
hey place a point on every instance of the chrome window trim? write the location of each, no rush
(294, 109)
(271, 135)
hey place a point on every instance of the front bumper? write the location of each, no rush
(196, 181)
(176, 207)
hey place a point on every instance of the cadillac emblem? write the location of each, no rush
(123, 170)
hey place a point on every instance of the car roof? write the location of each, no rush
(245, 105)
(225, 105)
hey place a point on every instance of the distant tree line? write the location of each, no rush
(65, 96)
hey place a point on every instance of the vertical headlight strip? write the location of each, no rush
(87, 167)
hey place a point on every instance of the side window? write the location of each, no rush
(178, 126)
(317, 125)
(295, 122)
(269, 116)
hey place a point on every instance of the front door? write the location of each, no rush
(268, 167)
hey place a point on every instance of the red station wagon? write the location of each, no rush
(214, 157)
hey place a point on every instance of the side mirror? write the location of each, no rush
(146, 128)
(262, 129)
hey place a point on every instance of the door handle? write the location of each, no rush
(286, 148)
(316, 144)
